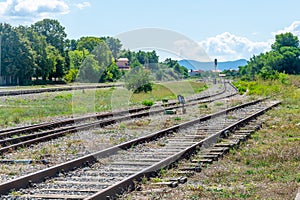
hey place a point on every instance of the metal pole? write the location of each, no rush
(215, 77)
(216, 63)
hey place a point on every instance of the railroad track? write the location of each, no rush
(14, 138)
(55, 89)
(107, 173)
(183, 171)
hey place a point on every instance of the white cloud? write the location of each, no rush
(4, 6)
(227, 46)
(30, 10)
(293, 28)
(83, 5)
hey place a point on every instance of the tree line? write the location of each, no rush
(41, 53)
(283, 58)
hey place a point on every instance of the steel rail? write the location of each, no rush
(40, 176)
(47, 125)
(129, 183)
(26, 140)
(55, 89)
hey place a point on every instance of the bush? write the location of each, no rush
(241, 86)
(148, 103)
(71, 75)
(138, 80)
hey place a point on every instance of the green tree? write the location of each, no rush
(55, 36)
(142, 57)
(114, 45)
(103, 55)
(105, 59)
(38, 44)
(135, 63)
(90, 71)
(283, 58)
(152, 57)
(71, 76)
(17, 59)
(285, 40)
(77, 57)
(60, 67)
(88, 43)
(177, 67)
(127, 54)
(112, 73)
(138, 80)
(71, 45)
(53, 31)
(287, 45)
(52, 54)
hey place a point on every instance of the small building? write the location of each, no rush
(123, 64)
(195, 72)
(216, 71)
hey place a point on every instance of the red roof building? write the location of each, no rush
(123, 64)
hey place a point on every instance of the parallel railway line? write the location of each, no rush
(107, 173)
(24, 136)
(54, 89)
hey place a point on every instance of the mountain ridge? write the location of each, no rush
(206, 66)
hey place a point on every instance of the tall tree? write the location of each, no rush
(103, 55)
(90, 71)
(285, 40)
(55, 36)
(138, 80)
(71, 45)
(105, 60)
(114, 45)
(17, 60)
(287, 45)
(77, 57)
(53, 31)
(39, 45)
(88, 43)
(142, 58)
(284, 57)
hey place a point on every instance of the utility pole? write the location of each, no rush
(215, 77)
(216, 63)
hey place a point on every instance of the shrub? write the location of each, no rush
(148, 103)
(138, 80)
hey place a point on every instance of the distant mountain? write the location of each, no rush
(196, 65)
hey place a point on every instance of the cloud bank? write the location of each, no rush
(227, 46)
(293, 28)
(28, 11)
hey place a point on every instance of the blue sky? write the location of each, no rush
(225, 29)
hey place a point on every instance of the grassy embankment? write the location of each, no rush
(36, 108)
(268, 165)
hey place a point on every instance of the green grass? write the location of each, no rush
(170, 90)
(32, 109)
(267, 167)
